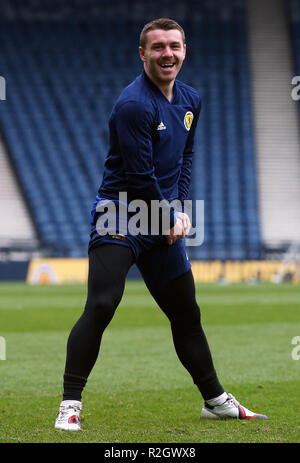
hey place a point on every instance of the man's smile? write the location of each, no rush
(167, 65)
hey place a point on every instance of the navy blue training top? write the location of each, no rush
(151, 143)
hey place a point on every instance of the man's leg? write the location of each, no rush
(178, 302)
(167, 273)
(168, 276)
(108, 267)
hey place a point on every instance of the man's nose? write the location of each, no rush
(167, 51)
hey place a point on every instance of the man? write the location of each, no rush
(152, 128)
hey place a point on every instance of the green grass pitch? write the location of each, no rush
(138, 391)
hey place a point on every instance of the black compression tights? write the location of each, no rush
(108, 267)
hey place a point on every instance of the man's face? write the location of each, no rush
(163, 55)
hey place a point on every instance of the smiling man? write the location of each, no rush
(152, 128)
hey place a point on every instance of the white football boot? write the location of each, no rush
(231, 408)
(68, 416)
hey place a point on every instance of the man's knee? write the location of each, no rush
(102, 306)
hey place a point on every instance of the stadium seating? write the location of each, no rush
(294, 17)
(63, 77)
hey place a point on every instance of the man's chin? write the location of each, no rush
(168, 73)
(167, 77)
(162, 78)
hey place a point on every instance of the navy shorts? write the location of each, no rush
(158, 262)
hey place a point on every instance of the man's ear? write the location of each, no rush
(142, 54)
(184, 47)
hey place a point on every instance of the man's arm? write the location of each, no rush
(186, 168)
(183, 224)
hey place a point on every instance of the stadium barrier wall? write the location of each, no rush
(62, 270)
(14, 271)
(245, 271)
(59, 270)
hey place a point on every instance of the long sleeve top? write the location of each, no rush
(151, 144)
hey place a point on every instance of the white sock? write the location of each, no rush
(217, 400)
(70, 402)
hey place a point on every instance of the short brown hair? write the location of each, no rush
(165, 24)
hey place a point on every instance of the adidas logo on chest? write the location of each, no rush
(161, 126)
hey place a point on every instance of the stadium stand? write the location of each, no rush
(276, 122)
(294, 15)
(64, 73)
(17, 226)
